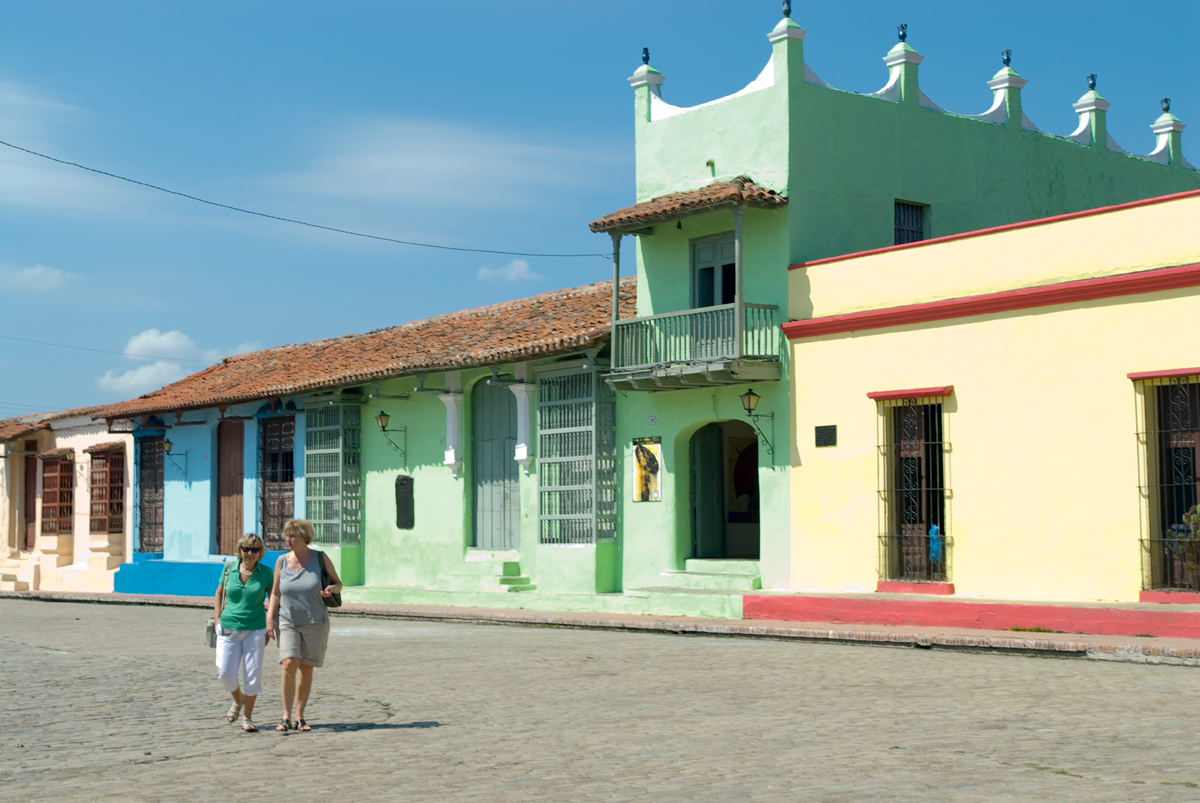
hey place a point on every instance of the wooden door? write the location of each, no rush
(107, 514)
(493, 467)
(708, 492)
(30, 499)
(58, 497)
(277, 472)
(150, 494)
(230, 452)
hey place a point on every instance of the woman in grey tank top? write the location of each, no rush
(297, 617)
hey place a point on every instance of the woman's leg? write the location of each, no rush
(254, 645)
(229, 659)
(306, 675)
(289, 685)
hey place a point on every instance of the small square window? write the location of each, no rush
(910, 223)
(827, 436)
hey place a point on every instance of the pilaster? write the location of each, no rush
(1093, 127)
(453, 399)
(1168, 130)
(1007, 84)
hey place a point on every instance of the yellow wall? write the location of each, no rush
(1042, 465)
(1107, 244)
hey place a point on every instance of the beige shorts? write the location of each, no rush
(306, 642)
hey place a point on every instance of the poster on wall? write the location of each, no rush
(647, 458)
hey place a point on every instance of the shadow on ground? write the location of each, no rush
(372, 726)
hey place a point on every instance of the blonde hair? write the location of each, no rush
(250, 539)
(300, 527)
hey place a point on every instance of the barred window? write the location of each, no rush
(332, 474)
(1168, 439)
(58, 496)
(910, 223)
(914, 542)
(107, 513)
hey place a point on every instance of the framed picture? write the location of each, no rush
(647, 459)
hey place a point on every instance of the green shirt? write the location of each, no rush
(244, 601)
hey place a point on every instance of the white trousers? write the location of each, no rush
(241, 649)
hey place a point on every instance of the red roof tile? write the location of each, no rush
(740, 190)
(11, 428)
(542, 326)
(107, 446)
(55, 454)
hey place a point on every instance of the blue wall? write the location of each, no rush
(150, 574)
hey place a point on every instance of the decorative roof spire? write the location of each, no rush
(787, 8)
(1092, 81)
(645, 55)
(902, 32)
(1006, 57)
(1166, 105)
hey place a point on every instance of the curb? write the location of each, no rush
(635, 623)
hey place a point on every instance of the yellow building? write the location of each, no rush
(1011, 413)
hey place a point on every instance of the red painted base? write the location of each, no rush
(1176, 597)
(897, 587)
(978, 615)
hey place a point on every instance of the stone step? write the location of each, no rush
(514, 580)
(9, 582)
(712, 580)
(663, 601)
(489, 568)
(527, 587)
(723, 565)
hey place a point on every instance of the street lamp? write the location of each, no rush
(750, 405)
(382, 420)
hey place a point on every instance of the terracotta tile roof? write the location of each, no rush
(107, 446)
(54, 454)
(11, 428)
(553, 323)
(740, 190)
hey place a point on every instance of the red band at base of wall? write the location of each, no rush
(897, 587)
(1169, 597)
(1162, 622)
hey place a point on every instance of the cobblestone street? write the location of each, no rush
(109, 702)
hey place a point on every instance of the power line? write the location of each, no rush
(102, 351)
(297, 222)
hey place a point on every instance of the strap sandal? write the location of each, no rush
(248, 725)
(301, 725)
(283, 726)
(234, 711)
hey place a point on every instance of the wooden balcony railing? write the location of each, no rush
(710, 334)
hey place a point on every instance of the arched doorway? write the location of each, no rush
(497, 495)
(724, 492)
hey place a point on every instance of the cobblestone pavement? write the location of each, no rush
(107, 702)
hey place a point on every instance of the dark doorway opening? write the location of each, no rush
(724, 491)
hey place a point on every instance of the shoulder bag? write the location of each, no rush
(210, 627)
(334, 600)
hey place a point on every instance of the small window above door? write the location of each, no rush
(713, 278)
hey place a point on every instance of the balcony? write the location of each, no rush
(696, 348)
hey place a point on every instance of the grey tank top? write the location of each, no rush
(300, 601)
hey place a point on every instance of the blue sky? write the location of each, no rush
(488, 125)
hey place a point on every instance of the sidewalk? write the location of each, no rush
(1127, 649)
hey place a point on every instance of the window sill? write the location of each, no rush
(900, 587)
(1169, 597)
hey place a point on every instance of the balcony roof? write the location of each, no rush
(740, 191)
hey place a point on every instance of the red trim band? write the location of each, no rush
(915, 393)
(1170, 597)
(1127, 284)
(1164, 374)
(899, 587)
(1026, 224)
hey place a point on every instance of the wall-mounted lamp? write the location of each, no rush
(382, 420)
(169, 455)
(750, 405)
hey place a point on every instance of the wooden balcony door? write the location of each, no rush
(230, 453)
(497, 493)
(277, 477)
(150, 494)
(30, 497)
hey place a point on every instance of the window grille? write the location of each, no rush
(914, 540)
(107, 513)
(577, 458)
(332, 473)
(150, 494)
(58, 496)
(910, 223)
(1168, 438)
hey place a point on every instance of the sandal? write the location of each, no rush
(233, 712)
(248, 725)
(283, 726)
(301, 725)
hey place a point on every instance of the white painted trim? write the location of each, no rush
(661, 110)
(891, 90)
(453, 399)
(925, 103)
(896, 57)
(522, 452)
(1087, 104)
(810, 77)
(778, 35)
(1162, 150)
(1166, 126)
(998, 113)
(653, 80)
(1083, 134)
(1113, 146)
(1028, 125)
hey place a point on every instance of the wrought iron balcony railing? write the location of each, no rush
(710, 334)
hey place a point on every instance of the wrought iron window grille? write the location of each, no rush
(910, 223)
(915, 544)
(1168, 439)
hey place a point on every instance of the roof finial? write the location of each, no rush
(902, 31)
(1006, 56)
(787, 8)
(645, 55)
(1166, 105)
(1092, 81)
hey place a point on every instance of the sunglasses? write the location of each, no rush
(251, 549)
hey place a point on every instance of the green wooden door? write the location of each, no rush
(493, 467)
(708, 492)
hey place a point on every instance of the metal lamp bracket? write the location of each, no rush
(762, 435)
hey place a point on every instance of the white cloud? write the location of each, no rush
(444, 165)
(514, 271)
(142, 379)
(38, 279)
(175, 356)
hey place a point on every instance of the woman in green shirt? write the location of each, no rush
(242, 632)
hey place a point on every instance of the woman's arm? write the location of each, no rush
(218, 604)
(333, 576)
(273, 605)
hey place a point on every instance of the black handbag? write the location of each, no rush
(334, 600)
